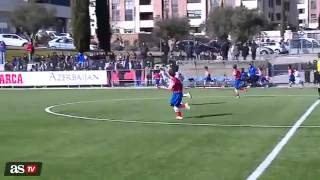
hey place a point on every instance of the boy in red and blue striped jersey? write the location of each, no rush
(177, 95)
(237, 80)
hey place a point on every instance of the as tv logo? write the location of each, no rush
(23, 169)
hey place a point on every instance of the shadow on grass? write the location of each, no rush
(210, 115)
(258, 96)
(202, 104)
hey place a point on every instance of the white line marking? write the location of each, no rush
(49, 110)
(274, 153)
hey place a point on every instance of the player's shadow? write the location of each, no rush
(253, 96)
(210, 115)
(203, 104)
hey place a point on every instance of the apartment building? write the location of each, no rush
(129, 17)
(309, 12)
(93, 17)
(139, 16)
(272, 10)
(303, 11)
(314, 13)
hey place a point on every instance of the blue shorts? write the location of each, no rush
(208, 79)
(292, 78)
(176, 99)
(237, 84)
(157, 82)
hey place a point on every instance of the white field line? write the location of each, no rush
(49, 110)
(277, 149)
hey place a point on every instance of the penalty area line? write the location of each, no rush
(277, 149)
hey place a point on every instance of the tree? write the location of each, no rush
(219, 22)
(319, 21)
(246, 24)
(103, 23)
(81, 24)
(26, 18)
(283, 24)
(174, 28)
(241, 23)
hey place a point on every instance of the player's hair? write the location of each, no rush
(235, 66)
(172, 73)
(206, 67)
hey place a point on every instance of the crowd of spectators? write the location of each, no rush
(93, 61)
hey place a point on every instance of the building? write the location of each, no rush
(309, 12)
(250, 4)
(93, 17)
(271, 9)
(132, 17)
(303, 11)
(63, 12)
(139, 16)
(313, 13)
(275, 11)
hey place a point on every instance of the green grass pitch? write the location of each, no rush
(97, 149)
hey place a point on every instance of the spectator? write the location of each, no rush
(150, 60)
(254, 47)
(197, 50)
(3, 49)
(166, 49)
(252, 74)
(236, 52)
(148, 75)
(30, 50)
(121, 73)
(245, 51)
(189, 50)
(138, 73)
(112, 56)
(109, 73)
(225, 50)
(144, 51)
(14, 63)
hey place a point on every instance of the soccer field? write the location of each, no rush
(133, 134)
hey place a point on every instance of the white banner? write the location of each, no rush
(53, 78)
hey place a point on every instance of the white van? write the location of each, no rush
(13, 40)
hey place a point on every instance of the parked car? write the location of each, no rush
(181, 46)
(275, 46)
(13, 40)
(64, 35)
(53, 34)
(214, 43)
(66, 43)
(264, 50)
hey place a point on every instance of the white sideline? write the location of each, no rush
(275, 152)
